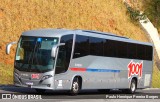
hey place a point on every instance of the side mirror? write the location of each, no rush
(8, 47)
(54, 49)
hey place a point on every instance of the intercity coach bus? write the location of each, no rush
(73, 60)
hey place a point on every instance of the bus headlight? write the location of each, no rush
(45, 77)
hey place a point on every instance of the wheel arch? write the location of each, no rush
(134, 78)
(80, 79)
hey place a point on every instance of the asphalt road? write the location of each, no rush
(85, 94)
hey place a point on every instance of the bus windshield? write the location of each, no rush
(34, 54)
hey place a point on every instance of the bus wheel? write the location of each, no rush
(133, 87)
(40, 91)
(75, 87)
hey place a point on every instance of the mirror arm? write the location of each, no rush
(61, 44)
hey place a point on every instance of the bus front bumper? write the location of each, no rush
(36, 84)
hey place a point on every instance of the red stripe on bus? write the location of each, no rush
(78, 69)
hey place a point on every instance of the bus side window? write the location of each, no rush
(64, 54)
(81, 46)
(96, 46)
(149, 53)
(140, 51)
(132, 53)
(110, 48)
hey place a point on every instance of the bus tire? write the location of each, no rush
(75, 86)
(40, 91)
(133, 87)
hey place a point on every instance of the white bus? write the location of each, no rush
(61, 59)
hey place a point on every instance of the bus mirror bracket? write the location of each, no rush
(54, 49)
(8, 47)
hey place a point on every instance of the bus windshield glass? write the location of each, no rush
(34, 54)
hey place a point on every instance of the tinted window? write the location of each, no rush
(114, 48)
(81, 46)
(96, 46)
(132, 51)
(121, 49)
(64, 54)
(105, 48)
(149, 53)
(110, 48)
(140, 51)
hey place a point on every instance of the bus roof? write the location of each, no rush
(46, 32)
(61, 31)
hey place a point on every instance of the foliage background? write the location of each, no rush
(17, 16)
(150, 7)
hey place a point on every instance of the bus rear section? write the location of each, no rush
(102, 63)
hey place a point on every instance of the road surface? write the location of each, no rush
(84, 95)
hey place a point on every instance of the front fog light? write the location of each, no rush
(48, 85)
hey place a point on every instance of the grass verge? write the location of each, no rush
(6, 74)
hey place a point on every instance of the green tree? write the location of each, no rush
(152, 9)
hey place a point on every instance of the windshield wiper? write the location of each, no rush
(34, 58)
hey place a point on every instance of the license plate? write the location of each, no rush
(29, 83)
(35, 76)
